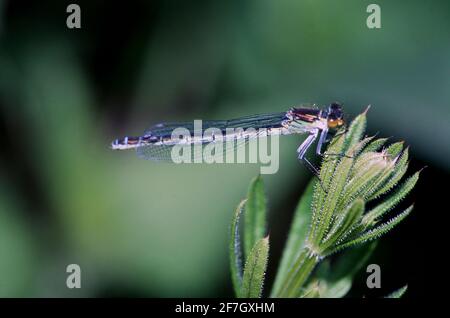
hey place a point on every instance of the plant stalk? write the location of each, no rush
(299, 273)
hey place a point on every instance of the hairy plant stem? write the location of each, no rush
(299, 273)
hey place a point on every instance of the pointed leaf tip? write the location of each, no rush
(376, 232)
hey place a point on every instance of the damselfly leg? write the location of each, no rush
(323, 139)
(303, 148)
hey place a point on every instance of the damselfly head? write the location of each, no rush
(335, 118)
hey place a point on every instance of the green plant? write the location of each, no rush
(326, 222)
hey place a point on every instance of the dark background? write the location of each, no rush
(140, 229)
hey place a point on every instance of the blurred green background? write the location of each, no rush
(138, 228)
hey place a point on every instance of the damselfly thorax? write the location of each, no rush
(157, 142)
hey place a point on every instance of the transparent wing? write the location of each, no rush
(165, 129)
(254, 121)
(209, 152)
(162, 153)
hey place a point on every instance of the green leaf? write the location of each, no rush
(375, 145)
(397, 173)
(382, 178)
(335, 282)
(255, 269)
(398, 293)
(356, 130)
(351, 261)
(392, 201)
(311, 291)
(235, 250)
(321, 225)
(336, 289)
(328, 167)
(255, 215)
(344, 224)
(297, 235)
(358, 147)
(395, 149)
(363, 160)
(362, 182)
(376, 232)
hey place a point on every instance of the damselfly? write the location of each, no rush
(158, 141)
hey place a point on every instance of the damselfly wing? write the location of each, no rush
(224, 135)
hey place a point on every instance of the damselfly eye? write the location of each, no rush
(335, 111)
(335, 115)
